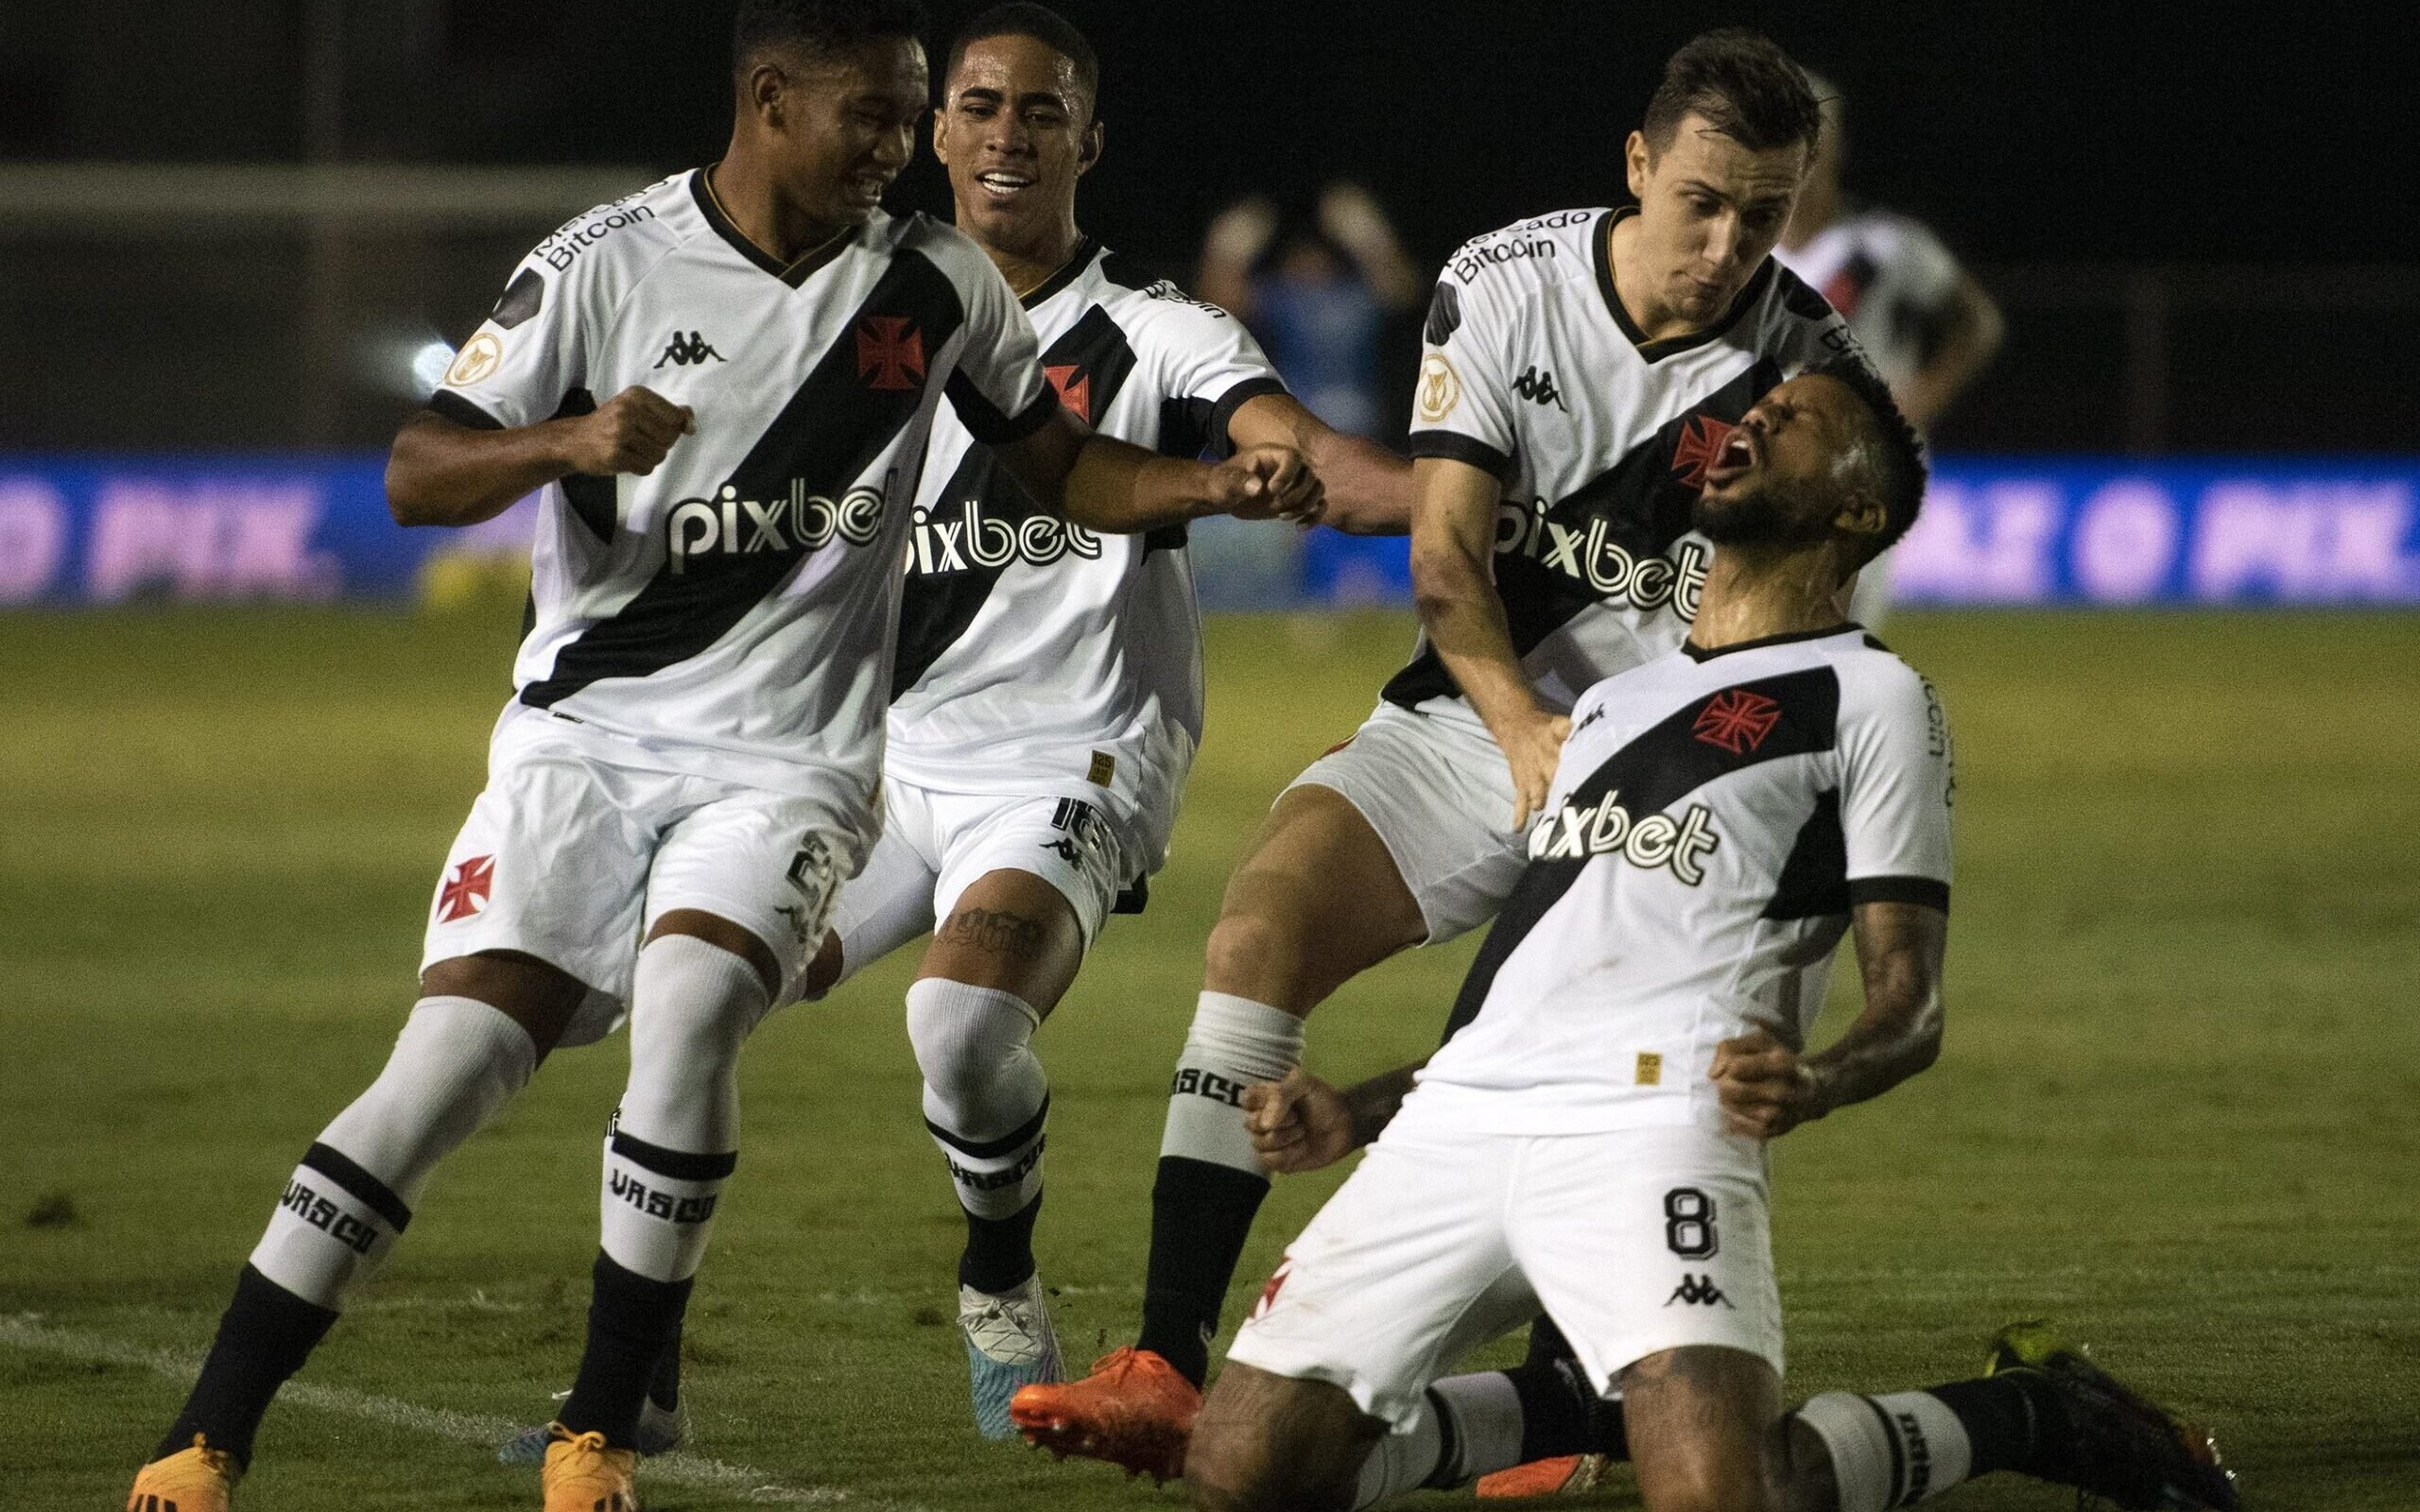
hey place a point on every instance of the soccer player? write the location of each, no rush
(1928, 327)
(1583, 371)
(1592, 1136)
(686, 771)
(1048, 680)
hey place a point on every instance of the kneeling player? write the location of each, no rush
(1591, 1137)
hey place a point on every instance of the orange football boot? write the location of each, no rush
(1136, 1410)
(583, 1476)
(200, 1479)
(1573, 1473)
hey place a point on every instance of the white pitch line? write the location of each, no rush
(27, 1331)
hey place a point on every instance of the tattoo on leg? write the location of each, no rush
(1004, 935)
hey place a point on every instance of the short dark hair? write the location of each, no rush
(820, 28)
(1744, 85)
(1897, 451)
(1023, 18)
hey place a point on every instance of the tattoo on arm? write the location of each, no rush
(1008, 936)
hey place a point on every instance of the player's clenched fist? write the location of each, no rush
(1270, 482)
(631, 431)
(1297, 1124)
(1765, 1089)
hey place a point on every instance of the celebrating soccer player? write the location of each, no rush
(1583, 371)
(1591, 1138)
(1047, 683)
(691, 756)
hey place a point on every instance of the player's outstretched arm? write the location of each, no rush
(441, 473)
(1302, 1124)
(1119, 489)
(1453, 584)
(1768, 1089)
(1369, 488)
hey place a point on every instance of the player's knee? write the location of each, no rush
(1254, 952)
(1229, 1469)
(966, 1039)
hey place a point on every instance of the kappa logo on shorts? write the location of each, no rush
(1086, 831)
(1698, 1291)
(465, 893)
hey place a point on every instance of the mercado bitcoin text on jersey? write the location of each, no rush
(1534, 372)
(731, 614)
(1037, 657)
(1714, 817)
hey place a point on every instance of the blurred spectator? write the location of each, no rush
(1928, 327)
(1319, 304)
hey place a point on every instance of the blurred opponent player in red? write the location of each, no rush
(1047, 683)
(1583, 371)
(1591, 1136)
(687, 769)
(1927, 326)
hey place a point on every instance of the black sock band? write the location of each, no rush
(999, 1251)
(263, 1338)
(1201, 1213)
(632, 1322)
(1559, 1413)
(2013, 1421)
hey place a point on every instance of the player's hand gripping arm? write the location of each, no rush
(1302, 1124)
(1768, 1088)
(1453, 583)
(1369, 488)
(441, 473)
(1118, 489)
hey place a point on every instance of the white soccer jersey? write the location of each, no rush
(1534, 372)
(732, 612)
(1038, 657)
(1890, 277)
(1714, 817)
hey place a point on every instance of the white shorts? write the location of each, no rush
(936, 845)
(1633, 1243)
(570, 856)
(1440, 799)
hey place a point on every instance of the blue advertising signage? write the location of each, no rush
(2005, 531)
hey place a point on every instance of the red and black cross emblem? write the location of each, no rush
(1700, 442)
(465, 892)
(1737, 720)
(890, 352)
(1075, 388)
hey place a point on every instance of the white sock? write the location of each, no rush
(1404, 1460)
(1233, 1043)
(457, 1063)
(986, 1099)
(1888, 1452)
(1484, 1413)
(675, 1138)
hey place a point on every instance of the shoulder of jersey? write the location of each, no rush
(1879, 667)
(1794, 296)
(1555, 248)
(622, 238)
(1146, 305)
(949, 249)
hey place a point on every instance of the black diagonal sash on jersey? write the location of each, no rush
(1643, 500)
(1654, 771)
(831, 430)
(938, 607)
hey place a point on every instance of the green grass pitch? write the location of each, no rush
(2176, 1109)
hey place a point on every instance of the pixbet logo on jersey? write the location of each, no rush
(976, 540)
(730, 525)
(1593, 557)
(1606, 828)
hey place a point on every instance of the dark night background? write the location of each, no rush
(2057, 145)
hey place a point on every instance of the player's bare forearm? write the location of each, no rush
(440, 474)
(1118, 489)
(1374, 1103)
(1899, 952)
(1976, 330)
(1369, 488)
(1767, 1089)
(1453, 586)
